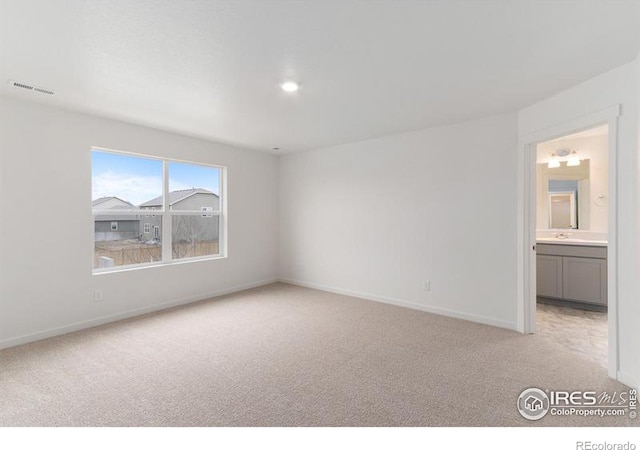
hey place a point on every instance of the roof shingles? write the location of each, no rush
(176, 196)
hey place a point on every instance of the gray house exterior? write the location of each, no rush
(206, 226)
(115, 227)
(147, 226)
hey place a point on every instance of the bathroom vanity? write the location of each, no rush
(572, 270)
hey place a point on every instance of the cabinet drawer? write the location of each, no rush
(572, 250)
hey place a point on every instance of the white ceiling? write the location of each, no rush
(367, 69)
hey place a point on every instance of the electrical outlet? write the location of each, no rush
(427, 286)
(97, 295)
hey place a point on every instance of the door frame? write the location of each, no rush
(526, 304)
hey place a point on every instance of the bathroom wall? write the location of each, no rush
(595, 149)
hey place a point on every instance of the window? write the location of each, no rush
(180, 202)
(194, 234)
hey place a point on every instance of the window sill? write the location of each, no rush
(157, 264)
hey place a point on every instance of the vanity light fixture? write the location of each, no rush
(571, 155)
(573, 159)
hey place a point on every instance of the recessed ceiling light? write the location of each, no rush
(290, 86)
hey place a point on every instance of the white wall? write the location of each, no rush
(617, 87)
(46, 241)
(377, 218)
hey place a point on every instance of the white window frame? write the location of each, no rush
(166, 214)
(114, 226)
(147, 228)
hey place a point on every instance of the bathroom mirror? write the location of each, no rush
(563, 195)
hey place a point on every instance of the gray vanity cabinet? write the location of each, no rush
(570, 272)
(584, 280)
(549, 275)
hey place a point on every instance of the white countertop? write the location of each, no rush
(572, 241)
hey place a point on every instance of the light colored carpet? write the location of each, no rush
(282, 355)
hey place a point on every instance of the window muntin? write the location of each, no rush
(183, 199)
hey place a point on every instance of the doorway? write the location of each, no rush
(578, 279)
(571, 242)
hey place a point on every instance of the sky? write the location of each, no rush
(137, 180)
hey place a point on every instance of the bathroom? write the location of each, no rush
(572, 215)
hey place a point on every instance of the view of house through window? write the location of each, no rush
(137, 221)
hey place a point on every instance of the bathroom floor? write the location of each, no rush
(579, 331)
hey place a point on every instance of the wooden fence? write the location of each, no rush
(134, 252)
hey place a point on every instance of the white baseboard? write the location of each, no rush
(12, 342)
(394, 301)
(625, 378)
